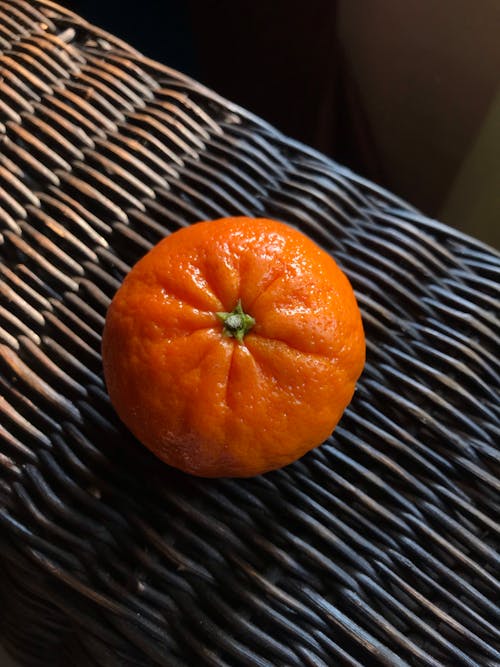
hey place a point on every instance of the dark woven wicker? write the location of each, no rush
(379, 548)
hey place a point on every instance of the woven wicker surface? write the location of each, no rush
(376, 549)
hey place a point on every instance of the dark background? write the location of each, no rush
(404, 93)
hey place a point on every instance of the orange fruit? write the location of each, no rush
(233, 347)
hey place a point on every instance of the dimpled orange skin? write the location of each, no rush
(206, 403)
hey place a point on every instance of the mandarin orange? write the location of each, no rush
(233, 347)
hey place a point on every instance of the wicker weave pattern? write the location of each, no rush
(376, 549)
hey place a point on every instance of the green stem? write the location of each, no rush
(236, 323)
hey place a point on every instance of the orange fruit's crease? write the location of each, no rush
(227, 394)
(220, 273)
(204, 274)
(296, 348)
(187, 336)
(265, 289)
(202, 290)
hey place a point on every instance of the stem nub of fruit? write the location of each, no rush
(236, 323)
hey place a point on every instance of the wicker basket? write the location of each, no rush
(376, 549)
